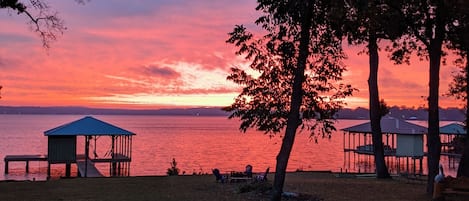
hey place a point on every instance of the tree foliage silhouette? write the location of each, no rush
(428, 24)
(43, 20)
(368, 22)
(459, 42)
(297, 80)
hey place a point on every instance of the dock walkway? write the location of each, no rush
(25, 158)
(92, 171)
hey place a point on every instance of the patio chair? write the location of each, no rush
(263, 177)
(219, 178)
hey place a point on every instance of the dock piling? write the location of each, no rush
(6, 167)
(68, 169)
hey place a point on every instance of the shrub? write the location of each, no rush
(173, 170)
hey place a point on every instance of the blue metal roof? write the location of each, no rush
(390, 125)
(453, 128)
(87, 126)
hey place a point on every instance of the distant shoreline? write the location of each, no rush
(448, 114)
(104, 111)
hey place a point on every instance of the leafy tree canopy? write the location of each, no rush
(264, 102)
(364, 17)
(426, 21)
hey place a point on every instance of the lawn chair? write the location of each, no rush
(218, 176)
(263, 177)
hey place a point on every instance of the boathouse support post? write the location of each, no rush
(127, 140)
(87, 153)
(68, 168)
(407, 164)
(387, 139)
(6, 167)
(27, 166)
(354, 145)
(48, 170)
(359, 141)
(364, 140)
(343, 144)
(349, 140)
(345, 153)
(398, 165)
(113, 163)
(393, 136)
(129, 152)
(421, 165)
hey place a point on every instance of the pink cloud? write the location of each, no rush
(145, 49)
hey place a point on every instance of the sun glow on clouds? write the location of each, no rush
(216, 100)
(180, 83)
(152, 53)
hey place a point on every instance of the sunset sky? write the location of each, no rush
(161, 53)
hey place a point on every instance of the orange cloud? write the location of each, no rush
(159, 53)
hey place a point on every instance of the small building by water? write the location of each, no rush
(403, 144)
(401, 140)
(62, 143)
(62, 148)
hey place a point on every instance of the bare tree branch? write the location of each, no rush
(43, 20)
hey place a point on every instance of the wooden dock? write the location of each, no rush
(23, 158)
(91, 170)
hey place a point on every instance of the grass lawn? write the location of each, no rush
(192, 188)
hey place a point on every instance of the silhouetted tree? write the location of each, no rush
(427, 25)
(367, 22)
(383, 108)
(298, 73)
(458, 88)
(44, 21)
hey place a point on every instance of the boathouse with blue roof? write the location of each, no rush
(62, 147)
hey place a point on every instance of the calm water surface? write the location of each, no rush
(197, 143)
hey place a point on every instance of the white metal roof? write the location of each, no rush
(87, 126)
(390, 125)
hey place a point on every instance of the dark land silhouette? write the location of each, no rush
(447, 114)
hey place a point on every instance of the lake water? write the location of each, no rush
(198, 144)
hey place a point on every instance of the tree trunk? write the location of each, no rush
(463, 169)
(433, 137)
(375, 114)
(294, 115)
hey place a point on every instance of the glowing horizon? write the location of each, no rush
(152, 54)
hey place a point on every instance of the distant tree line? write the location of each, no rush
(448, 114)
